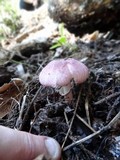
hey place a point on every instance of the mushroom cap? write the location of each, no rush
(60, 72)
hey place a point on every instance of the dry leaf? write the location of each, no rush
(10, 94)
(91, 37)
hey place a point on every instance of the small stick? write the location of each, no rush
(66, 118)
(107, 98)
(114, 120)
(72, 119)
(108, 126)
(112, 108)
(33, 121)
(87, 111)
(85, 123)
(84, 139)
(19, 120)
(28, 112)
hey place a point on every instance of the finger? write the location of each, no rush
(25, 146)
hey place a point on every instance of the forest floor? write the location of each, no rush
(88, 128)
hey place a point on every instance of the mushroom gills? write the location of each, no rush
(64, 90)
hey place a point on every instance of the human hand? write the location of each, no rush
(18, 145)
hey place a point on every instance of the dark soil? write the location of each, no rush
(46, 112)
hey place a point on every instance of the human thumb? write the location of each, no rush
(25, 146)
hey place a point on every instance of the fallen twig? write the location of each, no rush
(112, 109)
(107, 98)
(108, 126)
(28, 113)
(72, 119)
(87, 110)
(19, 120)
(85, 123)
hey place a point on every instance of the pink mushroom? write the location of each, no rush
(59, 74)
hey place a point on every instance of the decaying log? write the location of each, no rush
(86, 15)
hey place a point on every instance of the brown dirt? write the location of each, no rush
(46, 112)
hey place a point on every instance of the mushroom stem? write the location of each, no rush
(66, 92)
(69, 97)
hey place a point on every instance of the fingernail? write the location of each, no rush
(53, 148)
